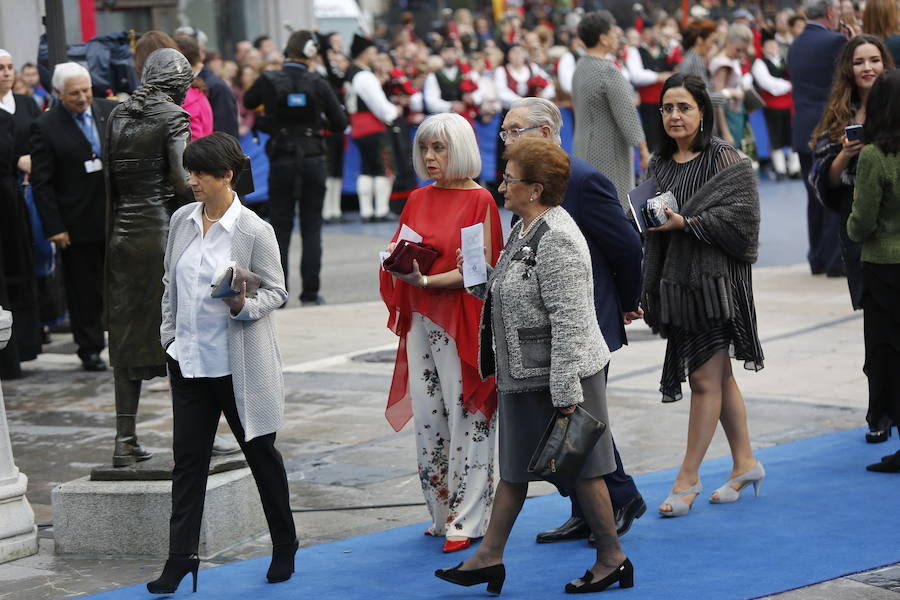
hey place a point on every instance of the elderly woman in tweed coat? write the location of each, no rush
(548, 355)
(222, 356)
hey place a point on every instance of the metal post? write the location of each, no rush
(55, 23)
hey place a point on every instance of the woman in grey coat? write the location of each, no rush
(539, 335)
(222, 356)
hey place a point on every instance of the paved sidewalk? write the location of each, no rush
(341, 455)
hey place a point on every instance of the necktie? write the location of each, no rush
(87, 127)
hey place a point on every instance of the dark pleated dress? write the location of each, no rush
(687, 351)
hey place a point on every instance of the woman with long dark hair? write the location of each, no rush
(875, 222)
(833, 174)
(698, 291)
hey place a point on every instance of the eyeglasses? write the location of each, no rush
(514, 133)
(507, 180)
(681, 107)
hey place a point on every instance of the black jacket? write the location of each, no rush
(221, 98)
(67, 197)
(810, 61)
(324, 101)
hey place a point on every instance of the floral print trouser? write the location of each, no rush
(455, 447)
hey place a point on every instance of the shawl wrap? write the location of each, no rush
(686, 281)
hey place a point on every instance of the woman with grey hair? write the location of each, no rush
(539, 335)
(436, 378)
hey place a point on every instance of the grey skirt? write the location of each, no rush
(524, 417)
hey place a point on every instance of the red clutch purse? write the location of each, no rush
(400, 260)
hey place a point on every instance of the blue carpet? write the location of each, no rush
(820, 515)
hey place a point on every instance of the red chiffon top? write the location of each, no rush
(438, 214)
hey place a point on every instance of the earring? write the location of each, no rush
(701, 125)
(532, 199)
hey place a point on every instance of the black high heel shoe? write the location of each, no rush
(881, 432)
(282, 566)
(173, 573)
(624, 574)
(494, 576)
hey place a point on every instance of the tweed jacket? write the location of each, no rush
(547, 310)
(252, 340)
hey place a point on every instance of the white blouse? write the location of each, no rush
(201, 322)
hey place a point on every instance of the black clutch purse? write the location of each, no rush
(564, 447)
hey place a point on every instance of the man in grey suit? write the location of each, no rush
(616, 255)
(810, 62)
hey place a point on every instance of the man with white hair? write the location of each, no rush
(616, 254)
(67, 159)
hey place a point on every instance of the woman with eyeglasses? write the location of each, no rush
(698, 291)
(539, 335)
(436, 380)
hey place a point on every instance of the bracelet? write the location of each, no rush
(424, 281)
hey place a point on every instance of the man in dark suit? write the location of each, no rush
(69, 191)
(616, 255)
(221, 98)
(810, 61)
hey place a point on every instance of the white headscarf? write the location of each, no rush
(7, 102)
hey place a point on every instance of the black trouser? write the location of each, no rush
(82, 265)
(881, 331)
(823, 225)
(373, 149)
(653, 129)
(196, 406)
(620, 484)
(302, 185)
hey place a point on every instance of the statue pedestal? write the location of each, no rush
(130, 517)
(18, 534)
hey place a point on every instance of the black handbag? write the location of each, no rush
(565, 445)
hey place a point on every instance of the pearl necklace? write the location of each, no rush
(527, 228)
(208, 217)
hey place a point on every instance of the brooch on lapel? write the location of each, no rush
(526, 256)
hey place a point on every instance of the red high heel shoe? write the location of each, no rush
(456, 546)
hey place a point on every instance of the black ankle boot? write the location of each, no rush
(173, 573)
(282, 565)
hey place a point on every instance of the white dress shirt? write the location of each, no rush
(637, 73)
(774, 85)
(565, 71)
(201, 322)
(8, 103)
(431, 91)
(367, 87)
(510, 91)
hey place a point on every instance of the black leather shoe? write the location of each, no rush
(625, 516)
(574, 529)
(317, 301)
(91, 361)
(888, 464)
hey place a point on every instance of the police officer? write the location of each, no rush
(299, 104)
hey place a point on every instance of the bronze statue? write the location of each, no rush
(146, 182)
